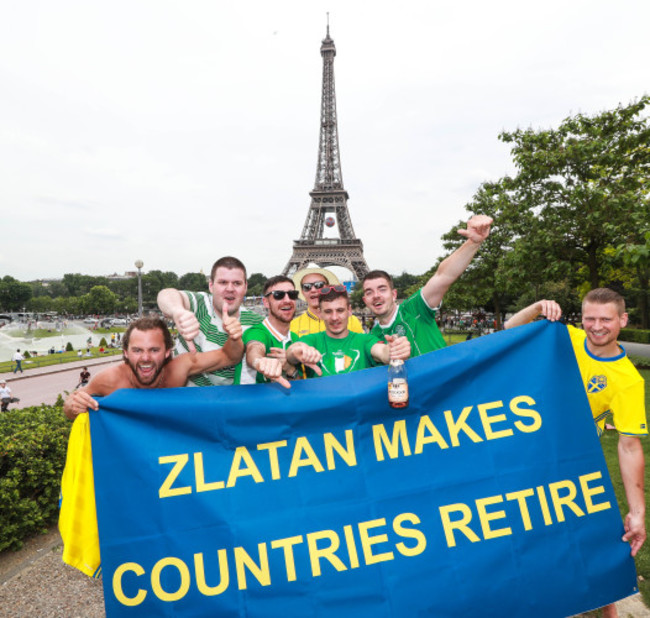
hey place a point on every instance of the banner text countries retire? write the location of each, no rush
(278, 459)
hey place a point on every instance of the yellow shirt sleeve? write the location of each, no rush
(354, 324)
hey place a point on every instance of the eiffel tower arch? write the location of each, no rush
(329, 199)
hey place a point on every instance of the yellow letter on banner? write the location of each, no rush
(588, 492)
(380, 437)
(156, 586)
(261, 572)
(179, 462)
(224, 573)
(117, 584)
(461, 524)
(302, 445)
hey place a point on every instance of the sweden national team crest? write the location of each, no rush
(597, 384)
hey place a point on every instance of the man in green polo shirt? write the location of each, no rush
(266, 343)
(415, 317)
(338, 350)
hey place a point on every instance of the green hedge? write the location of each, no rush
(33, 444)
(635, 335)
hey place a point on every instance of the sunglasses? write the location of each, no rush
(317, 284)
(280, 294)
(334, 288)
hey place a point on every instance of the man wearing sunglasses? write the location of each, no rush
(415, 317)
(199, 319)
(309, 282)
(266, 343)
(337, 349)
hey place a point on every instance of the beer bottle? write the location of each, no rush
(398, 387)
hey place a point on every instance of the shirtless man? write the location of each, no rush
(147, 347)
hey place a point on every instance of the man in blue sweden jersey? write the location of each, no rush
(414, 318)
(615, 391)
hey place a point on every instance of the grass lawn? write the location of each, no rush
(453, 339)
(56, 359)
(44, 360)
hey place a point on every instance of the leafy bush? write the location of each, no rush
(27, 354)
(103, 343)
(69, 347)
(635, 335)
(33, 444)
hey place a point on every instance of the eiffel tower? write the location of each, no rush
(329, 197)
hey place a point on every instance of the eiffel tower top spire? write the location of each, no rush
(328, 170)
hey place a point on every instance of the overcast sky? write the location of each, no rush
(178, 132)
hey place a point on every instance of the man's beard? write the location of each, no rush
(278, 315)
(154, 377)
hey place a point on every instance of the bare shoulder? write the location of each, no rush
(109, 380)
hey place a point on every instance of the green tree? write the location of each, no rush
(129, 304)
(40, 304)
(68, 305)
(195, 282)
(124, 287)
(100, 300)
(39, 289)
(256, 284)
(586, 182)
(77, 284)
(486, 283)
(356, 298)
(403, 282)
(636, 256)
(54, 288)
(14, 295)
(154, 281)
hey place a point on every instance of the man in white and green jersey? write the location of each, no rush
(338, 350)
(414, 318)
(266, 343)
(198, 318)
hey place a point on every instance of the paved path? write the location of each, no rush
(44, 384)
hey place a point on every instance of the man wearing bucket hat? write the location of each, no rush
(309, 282)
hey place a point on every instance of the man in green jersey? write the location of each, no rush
(415, 317)
(266, 343)
(198, 318)
(337, 349)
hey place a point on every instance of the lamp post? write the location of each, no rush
(139, 264)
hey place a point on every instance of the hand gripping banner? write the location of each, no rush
(487, 496)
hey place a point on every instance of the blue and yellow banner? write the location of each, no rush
(487, 496)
